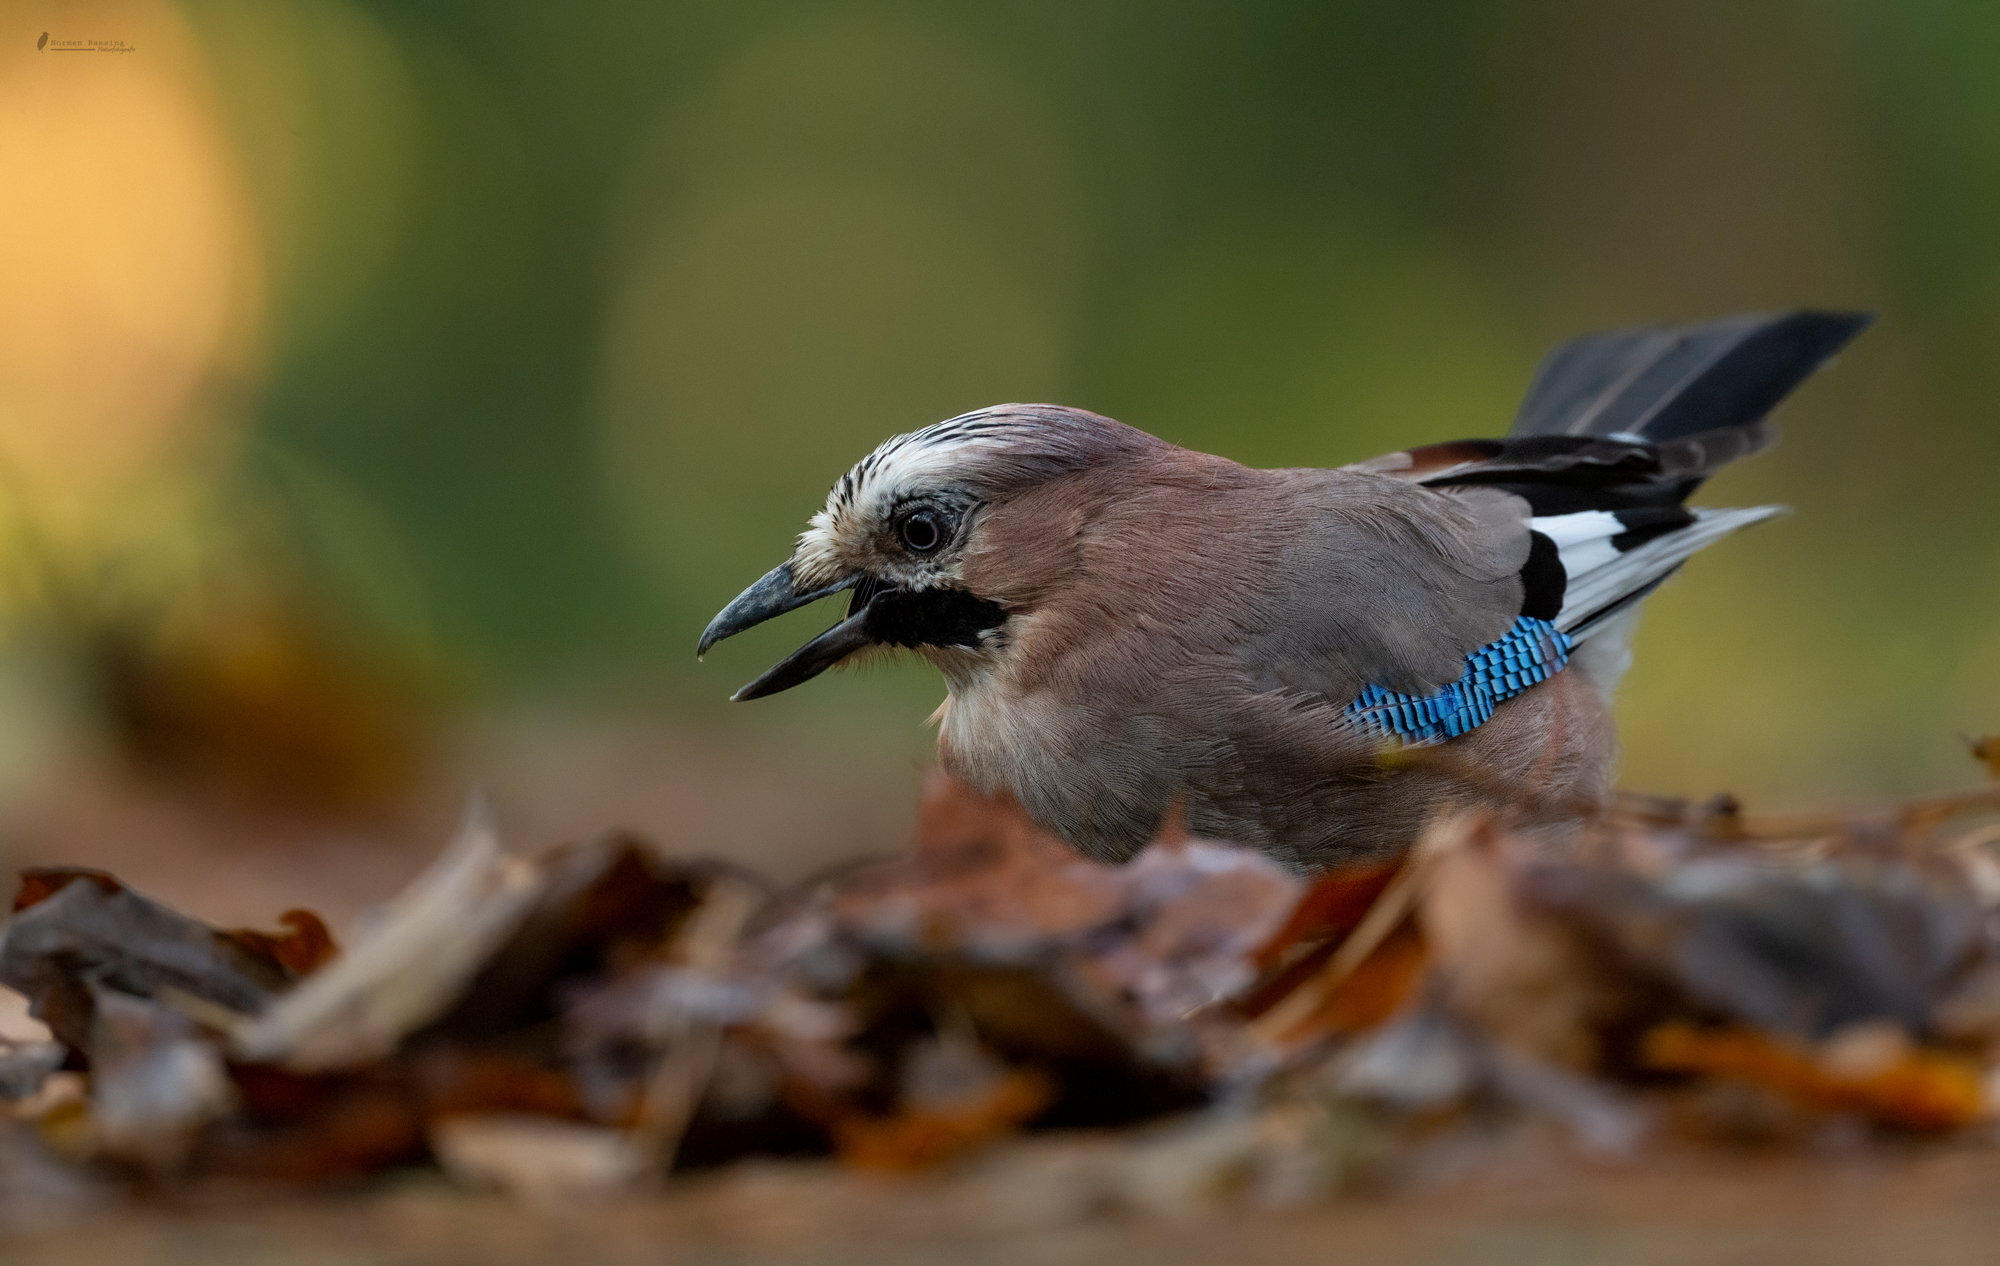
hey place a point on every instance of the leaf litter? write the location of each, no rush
(1197, 1028)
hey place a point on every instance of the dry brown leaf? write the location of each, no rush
(982, 871)
(85, 932)
(39, 883)
(303, 950)
(1917, 1089)
(155, 1082)
(405, 969)
(1534, 978)
(929, 1135)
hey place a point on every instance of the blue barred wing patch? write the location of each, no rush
(1532, 651)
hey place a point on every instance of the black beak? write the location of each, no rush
(812, 659)
(773, 596)
(880, 615)
(768, 598)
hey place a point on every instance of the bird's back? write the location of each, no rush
(1207, 636)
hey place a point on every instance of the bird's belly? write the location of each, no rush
(1308, 801)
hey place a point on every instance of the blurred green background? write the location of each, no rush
(512, 339)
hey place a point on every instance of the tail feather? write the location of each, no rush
(1617, 431)
(1696, 398)
(1665, 383)
(1639, 417)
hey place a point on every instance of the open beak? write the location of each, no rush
(773, 596)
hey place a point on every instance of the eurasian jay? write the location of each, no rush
(1128, 628)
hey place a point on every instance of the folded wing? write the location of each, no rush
(1616, 432)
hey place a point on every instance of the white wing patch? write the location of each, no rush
(1601, 575)
(1583, 540)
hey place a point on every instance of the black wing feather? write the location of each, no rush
(1639, 417)
(1632, 422)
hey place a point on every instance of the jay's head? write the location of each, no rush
(915, 531)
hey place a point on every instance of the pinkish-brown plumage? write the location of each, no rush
(1129, 629)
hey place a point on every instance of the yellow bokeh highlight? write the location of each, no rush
(129, 311)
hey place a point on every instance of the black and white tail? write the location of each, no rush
(1616, 432)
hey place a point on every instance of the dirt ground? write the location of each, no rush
(1535, 1209)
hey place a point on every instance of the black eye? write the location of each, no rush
(923, 531)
